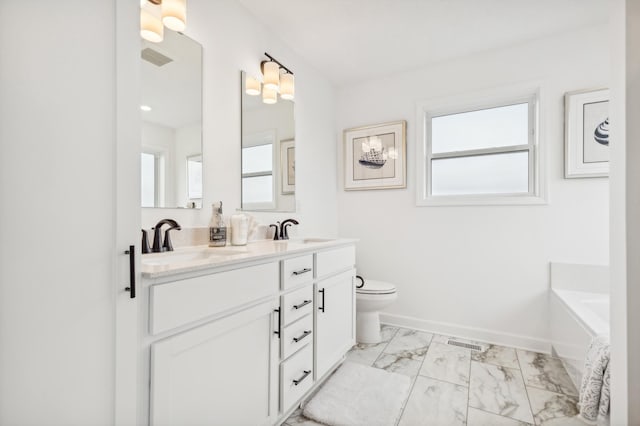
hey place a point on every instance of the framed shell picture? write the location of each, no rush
(375, 156)
(587, 134)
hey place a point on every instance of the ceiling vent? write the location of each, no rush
(155, 57)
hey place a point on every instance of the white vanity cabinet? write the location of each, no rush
(221, 373)
(335, 307)
(242, 342)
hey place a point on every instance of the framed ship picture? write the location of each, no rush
(587, 134)
(375, 157)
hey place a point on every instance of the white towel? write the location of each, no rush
(594, 389)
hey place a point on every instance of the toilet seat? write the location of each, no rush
(376, 287)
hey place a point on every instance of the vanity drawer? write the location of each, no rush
(181, 302)
(296, 377)
(330, 261)
(297, 304)
(297, 335)
(297, 270)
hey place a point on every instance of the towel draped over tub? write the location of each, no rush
(595, 387)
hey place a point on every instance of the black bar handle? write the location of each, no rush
(321, 308)
(300, 305)
(132, 272)
(278, 333)
(304, 376)
(302, 271)
(302, 336)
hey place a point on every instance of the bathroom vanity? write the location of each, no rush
(239, 335)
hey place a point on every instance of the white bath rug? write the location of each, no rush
(359, 395)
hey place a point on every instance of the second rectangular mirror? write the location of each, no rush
(268, 154)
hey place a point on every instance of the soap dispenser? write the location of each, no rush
(217, 228)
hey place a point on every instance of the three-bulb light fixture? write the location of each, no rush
(157, 14)
(276, 79)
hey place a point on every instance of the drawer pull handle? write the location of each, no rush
(302, 271)
(304, 376)
(305, 334)
(304, 303)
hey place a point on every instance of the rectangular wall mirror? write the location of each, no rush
(171, 103)
(268, 154)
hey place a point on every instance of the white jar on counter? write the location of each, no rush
(239, 229)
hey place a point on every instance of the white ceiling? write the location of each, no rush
(354, 40)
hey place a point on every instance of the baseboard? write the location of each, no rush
(471, 333)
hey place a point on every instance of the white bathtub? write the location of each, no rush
(576, 316)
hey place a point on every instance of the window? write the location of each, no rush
(479, 154)
(194, 177)
(257, 176)
(149, 163)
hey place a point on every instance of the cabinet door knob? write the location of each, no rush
(304, 376)
(302, 336)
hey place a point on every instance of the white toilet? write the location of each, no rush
(372, 297)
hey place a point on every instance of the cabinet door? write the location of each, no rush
(335, 320)
(222, 373)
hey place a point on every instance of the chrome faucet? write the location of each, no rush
(158, 245)
(284, 234)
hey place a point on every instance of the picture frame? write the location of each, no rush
(376, 157)
(288, 166)
(587, 134)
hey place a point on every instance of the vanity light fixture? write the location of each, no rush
(269, 96)
(275, 78)
(155, 13)
(286, 86)
(145, 108)
(252, 86)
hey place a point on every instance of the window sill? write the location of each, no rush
(480, 200)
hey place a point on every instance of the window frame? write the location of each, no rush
(427, 110)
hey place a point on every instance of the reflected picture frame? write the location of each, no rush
(288, 166)
(375, 157)
(587, 134)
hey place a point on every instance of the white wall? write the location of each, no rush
(57, 224)
(188, 143)
(233, 40)
(479, 271)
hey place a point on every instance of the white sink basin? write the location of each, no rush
(313, 240)
(185, 256)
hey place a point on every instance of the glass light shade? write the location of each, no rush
(151, 28)
(287, 87)
(174, 14)
(269, 96)
(271, 72)
(251, 86)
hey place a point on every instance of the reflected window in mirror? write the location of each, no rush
(257, 173)
(194, 180)
(268, 154)
(171, 92)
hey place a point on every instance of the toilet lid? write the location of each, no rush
(376, 287)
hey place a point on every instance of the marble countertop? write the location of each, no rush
(200, 258)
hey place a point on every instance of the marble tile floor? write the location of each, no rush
(459, 386)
